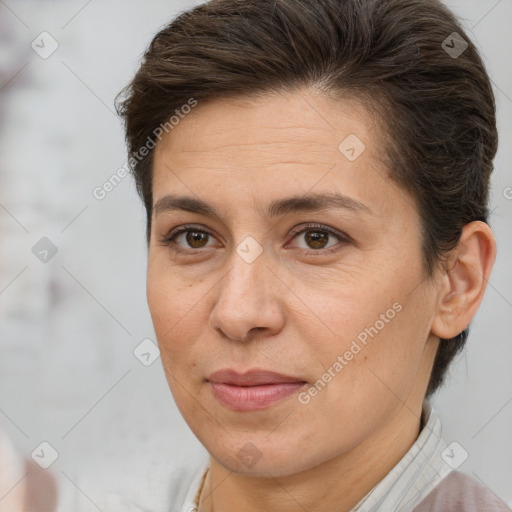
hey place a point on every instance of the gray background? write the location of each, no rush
(68, 327)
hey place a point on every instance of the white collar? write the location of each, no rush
(415, 475)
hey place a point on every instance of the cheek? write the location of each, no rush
(381, 354)
(170, 297)
(377, 331)
(176, 311)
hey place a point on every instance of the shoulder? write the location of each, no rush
(458, 492)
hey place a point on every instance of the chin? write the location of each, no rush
(261, 454)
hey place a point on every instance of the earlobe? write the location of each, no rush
(464, 281)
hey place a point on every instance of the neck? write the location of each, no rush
(337, 484)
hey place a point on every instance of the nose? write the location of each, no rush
(249, 300)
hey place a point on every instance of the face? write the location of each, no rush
(325, 291)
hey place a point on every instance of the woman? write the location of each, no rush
(315, 175)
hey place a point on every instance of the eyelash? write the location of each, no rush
(168, 240)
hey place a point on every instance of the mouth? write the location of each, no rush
(252, 390)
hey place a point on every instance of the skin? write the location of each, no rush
(298, 306)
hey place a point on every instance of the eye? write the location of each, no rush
(191, 237)
(316, 238)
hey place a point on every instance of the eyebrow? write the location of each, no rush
(301, 203)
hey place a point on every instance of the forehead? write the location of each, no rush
(276, 145)
(300, 119)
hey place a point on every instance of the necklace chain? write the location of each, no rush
(198, 494)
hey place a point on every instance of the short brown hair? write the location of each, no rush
(437, 105)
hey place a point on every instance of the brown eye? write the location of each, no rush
(196, 239)
(320, 239)
(317, 239)
(188, 238)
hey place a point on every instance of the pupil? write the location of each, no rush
(315, 239)
(193, 237)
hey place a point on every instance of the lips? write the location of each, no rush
(252, 390)
(250, 378)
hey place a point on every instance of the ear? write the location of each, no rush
(464, 280)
